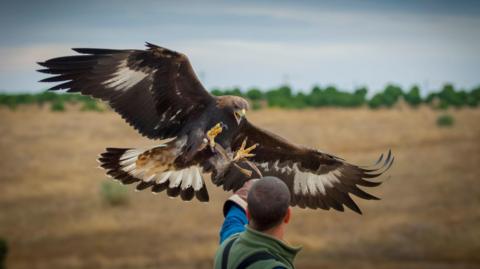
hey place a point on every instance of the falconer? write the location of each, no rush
(252, 234)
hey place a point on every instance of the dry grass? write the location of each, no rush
(53, 216)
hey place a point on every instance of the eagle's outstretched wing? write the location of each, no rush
(154, 90)
(315, 179)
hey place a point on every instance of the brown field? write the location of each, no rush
(53, 216)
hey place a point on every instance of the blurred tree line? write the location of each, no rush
(56, 101)
(330, 96)
(285, 97)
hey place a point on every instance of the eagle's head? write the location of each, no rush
(235, 105)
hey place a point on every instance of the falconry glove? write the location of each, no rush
(239, 197)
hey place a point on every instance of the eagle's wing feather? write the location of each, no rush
(315, 179)
(154, 90)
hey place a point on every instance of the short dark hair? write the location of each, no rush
(268, 201)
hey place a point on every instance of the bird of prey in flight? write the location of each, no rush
(157, 92)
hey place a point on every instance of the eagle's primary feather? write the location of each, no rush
(158, 93)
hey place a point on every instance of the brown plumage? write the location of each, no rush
(157, 92)
(232, 101)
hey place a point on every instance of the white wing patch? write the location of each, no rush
(185, 178)
(309, 183)
(125, 78)
(176, 179)
(197, 183)
(276, 166)
(304, 182)
(162, 178)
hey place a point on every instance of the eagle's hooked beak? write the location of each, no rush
(239, 115)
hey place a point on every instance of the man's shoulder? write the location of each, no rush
(253, 261)
(227, 243)
(240, 254)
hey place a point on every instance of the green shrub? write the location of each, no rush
(254, 94)
(114, 193)
(376, 101)
(256, 105)
(3, 252)
(445, 120)
(217, 92)
(57, 106)
(91, 105)
(280, 97)
(413, 97)
(45, 97)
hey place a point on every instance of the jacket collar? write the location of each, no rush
(271, 243)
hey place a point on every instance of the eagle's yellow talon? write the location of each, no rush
(243, 153)
(212, 133)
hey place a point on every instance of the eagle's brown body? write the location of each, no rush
(157, 92)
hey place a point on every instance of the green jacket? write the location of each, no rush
(250, 242)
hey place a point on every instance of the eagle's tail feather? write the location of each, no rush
(123, 164)
(112, 160)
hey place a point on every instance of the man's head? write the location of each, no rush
(268, 203)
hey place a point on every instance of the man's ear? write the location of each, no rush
(287, 216)
(248, 214)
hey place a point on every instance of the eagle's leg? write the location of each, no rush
(213, 132)
(243, 153)
(244, 171)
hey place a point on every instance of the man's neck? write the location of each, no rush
(277, 231)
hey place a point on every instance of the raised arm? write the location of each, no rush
(234, 211)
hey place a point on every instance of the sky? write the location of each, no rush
(262, 44)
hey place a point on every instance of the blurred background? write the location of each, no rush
(352, 78)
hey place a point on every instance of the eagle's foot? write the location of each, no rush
(213, 132)
(243, 153)
(244, 171)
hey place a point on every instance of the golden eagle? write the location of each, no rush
(157, 92)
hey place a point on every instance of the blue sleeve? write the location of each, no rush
(235, 221)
